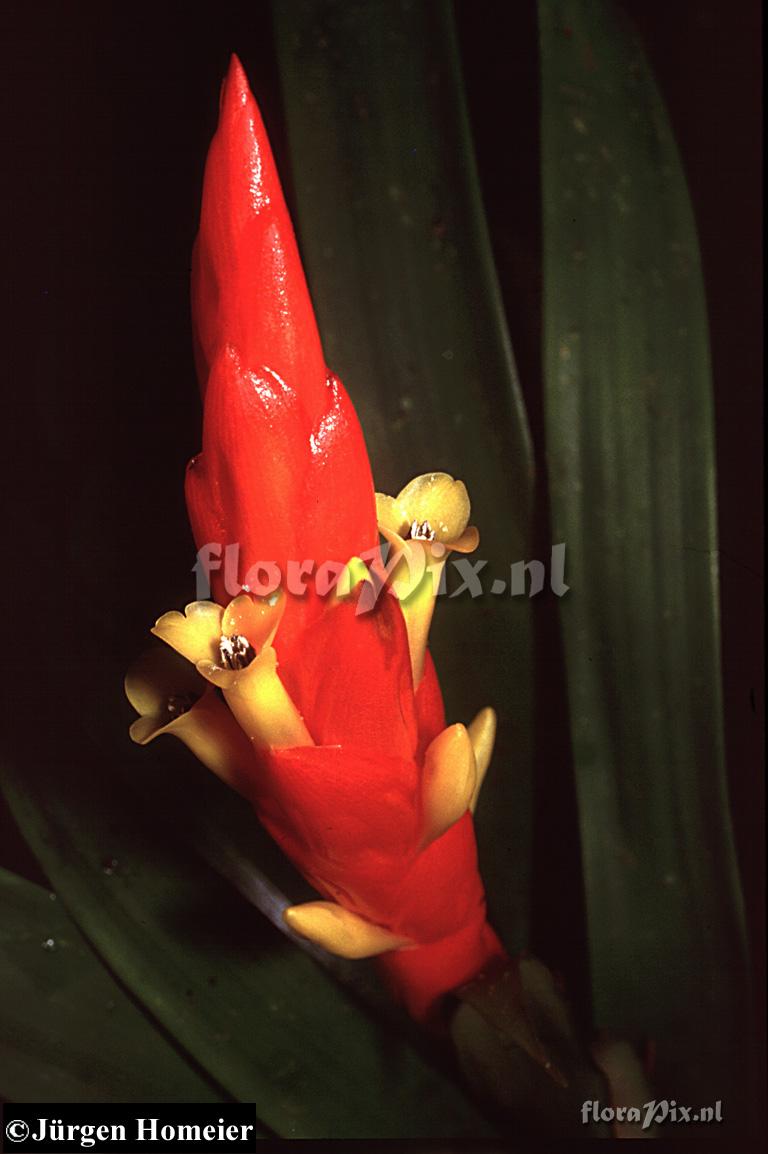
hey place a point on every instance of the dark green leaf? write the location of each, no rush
(631, 460)
(68, 1031)
(255, 1012)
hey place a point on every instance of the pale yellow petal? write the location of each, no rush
(206, 726)
(158, 674)
(427, 519)
(255, 618)
(194, 633)
(341, 932)
(212, 734)
(392, 514)
(260, 702)
(219, 676)
(439, 500)
(414, 571)
(406, 563)
(145, 728)
(467, 542)
(449, 780)
(482, 734)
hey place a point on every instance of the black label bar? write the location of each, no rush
(71, 1129)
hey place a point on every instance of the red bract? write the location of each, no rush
(248, 285)
(284, 472)
(349, 762)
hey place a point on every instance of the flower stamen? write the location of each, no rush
(421, 531)
(236, 651)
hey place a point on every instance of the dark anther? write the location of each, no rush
(422, 531)
(236, 652)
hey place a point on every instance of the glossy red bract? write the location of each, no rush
(284, 474)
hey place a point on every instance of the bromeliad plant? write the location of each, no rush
(329, 719)
(325, 712)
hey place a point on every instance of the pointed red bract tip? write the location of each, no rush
(248, 284)
(235, 80)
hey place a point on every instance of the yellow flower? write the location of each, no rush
(232, 649)
(431, 507)
(171, 697)
(425, 521)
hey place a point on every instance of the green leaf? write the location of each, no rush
(395, 244)
(260, 1016)
(630, 442)
(68, 1031)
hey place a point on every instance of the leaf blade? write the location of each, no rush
(256, 1013)
(629, 423)
(68, 1032)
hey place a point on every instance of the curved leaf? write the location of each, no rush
(632, 472)
(256, 1013)
(68, 1031)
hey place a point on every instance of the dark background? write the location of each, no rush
(108, 110)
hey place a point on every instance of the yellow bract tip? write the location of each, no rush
(449, 780)
(354, 573)
(340, 931)
(482, 734)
